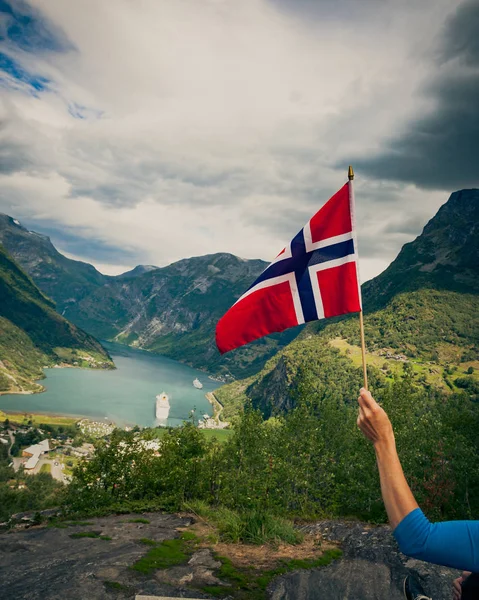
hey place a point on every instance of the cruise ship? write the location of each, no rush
(162, 406)
(197, 383)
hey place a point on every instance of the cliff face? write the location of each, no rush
(60, 278)
(445, 256)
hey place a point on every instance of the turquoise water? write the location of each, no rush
(125, 396)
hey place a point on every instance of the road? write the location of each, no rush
(56, 470)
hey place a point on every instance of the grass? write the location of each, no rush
(246, 584)
(166, 554)
(58, 524)
(432, 373)
(37, 419)
(148, 542)
(250, 527)
(115, 586)
(46, 468)
(139, 520)
(221, 435)
(90, 534)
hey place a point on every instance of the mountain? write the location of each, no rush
(33, 334)
(64, 280)
(444, 257)
(421, 322)
(173, 311)
(136, 272)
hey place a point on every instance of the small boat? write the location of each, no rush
(197, 383)
(162, 406)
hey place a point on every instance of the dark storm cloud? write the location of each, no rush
(461, 36)
(441, 150)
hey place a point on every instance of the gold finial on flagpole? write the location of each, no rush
(350, 173)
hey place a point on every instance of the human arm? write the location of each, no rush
(376, 426)
(454, 544)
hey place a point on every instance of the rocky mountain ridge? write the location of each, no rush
(62, 279)
(445, 256)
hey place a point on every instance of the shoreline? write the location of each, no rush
(55, 415)
(217, 410)
(42, 388)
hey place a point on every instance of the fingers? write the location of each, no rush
(456, 589)
(364, 425)
(367, 400)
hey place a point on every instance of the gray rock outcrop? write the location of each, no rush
(372, 568)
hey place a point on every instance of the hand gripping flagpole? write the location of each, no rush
(361, 322)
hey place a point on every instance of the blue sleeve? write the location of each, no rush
(452, 544)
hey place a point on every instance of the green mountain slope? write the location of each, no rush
(32, 334)
(421, 322)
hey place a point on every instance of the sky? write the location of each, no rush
(146, 131)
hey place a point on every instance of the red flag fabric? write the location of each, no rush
(314, 277)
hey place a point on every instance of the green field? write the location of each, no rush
(22, 418)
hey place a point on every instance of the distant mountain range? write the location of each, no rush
(432, 286)
(33, 334)
(423, 311)
(171, 310)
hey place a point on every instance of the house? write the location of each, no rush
(33, 453)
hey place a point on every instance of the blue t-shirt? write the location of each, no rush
(452, 544)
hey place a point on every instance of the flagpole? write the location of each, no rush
(361, 321)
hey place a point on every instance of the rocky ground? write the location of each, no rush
(46, 563)
(372, 568)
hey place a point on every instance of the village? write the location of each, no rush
(53, 449)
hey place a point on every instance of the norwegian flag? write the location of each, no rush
(315, 277)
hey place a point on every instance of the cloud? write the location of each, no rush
(440, 148)
(175, 129)
(26, 28)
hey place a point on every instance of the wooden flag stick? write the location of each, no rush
(363, 350)
(361, 322)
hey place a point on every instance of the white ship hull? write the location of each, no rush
(162, 406)
(197, 383)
